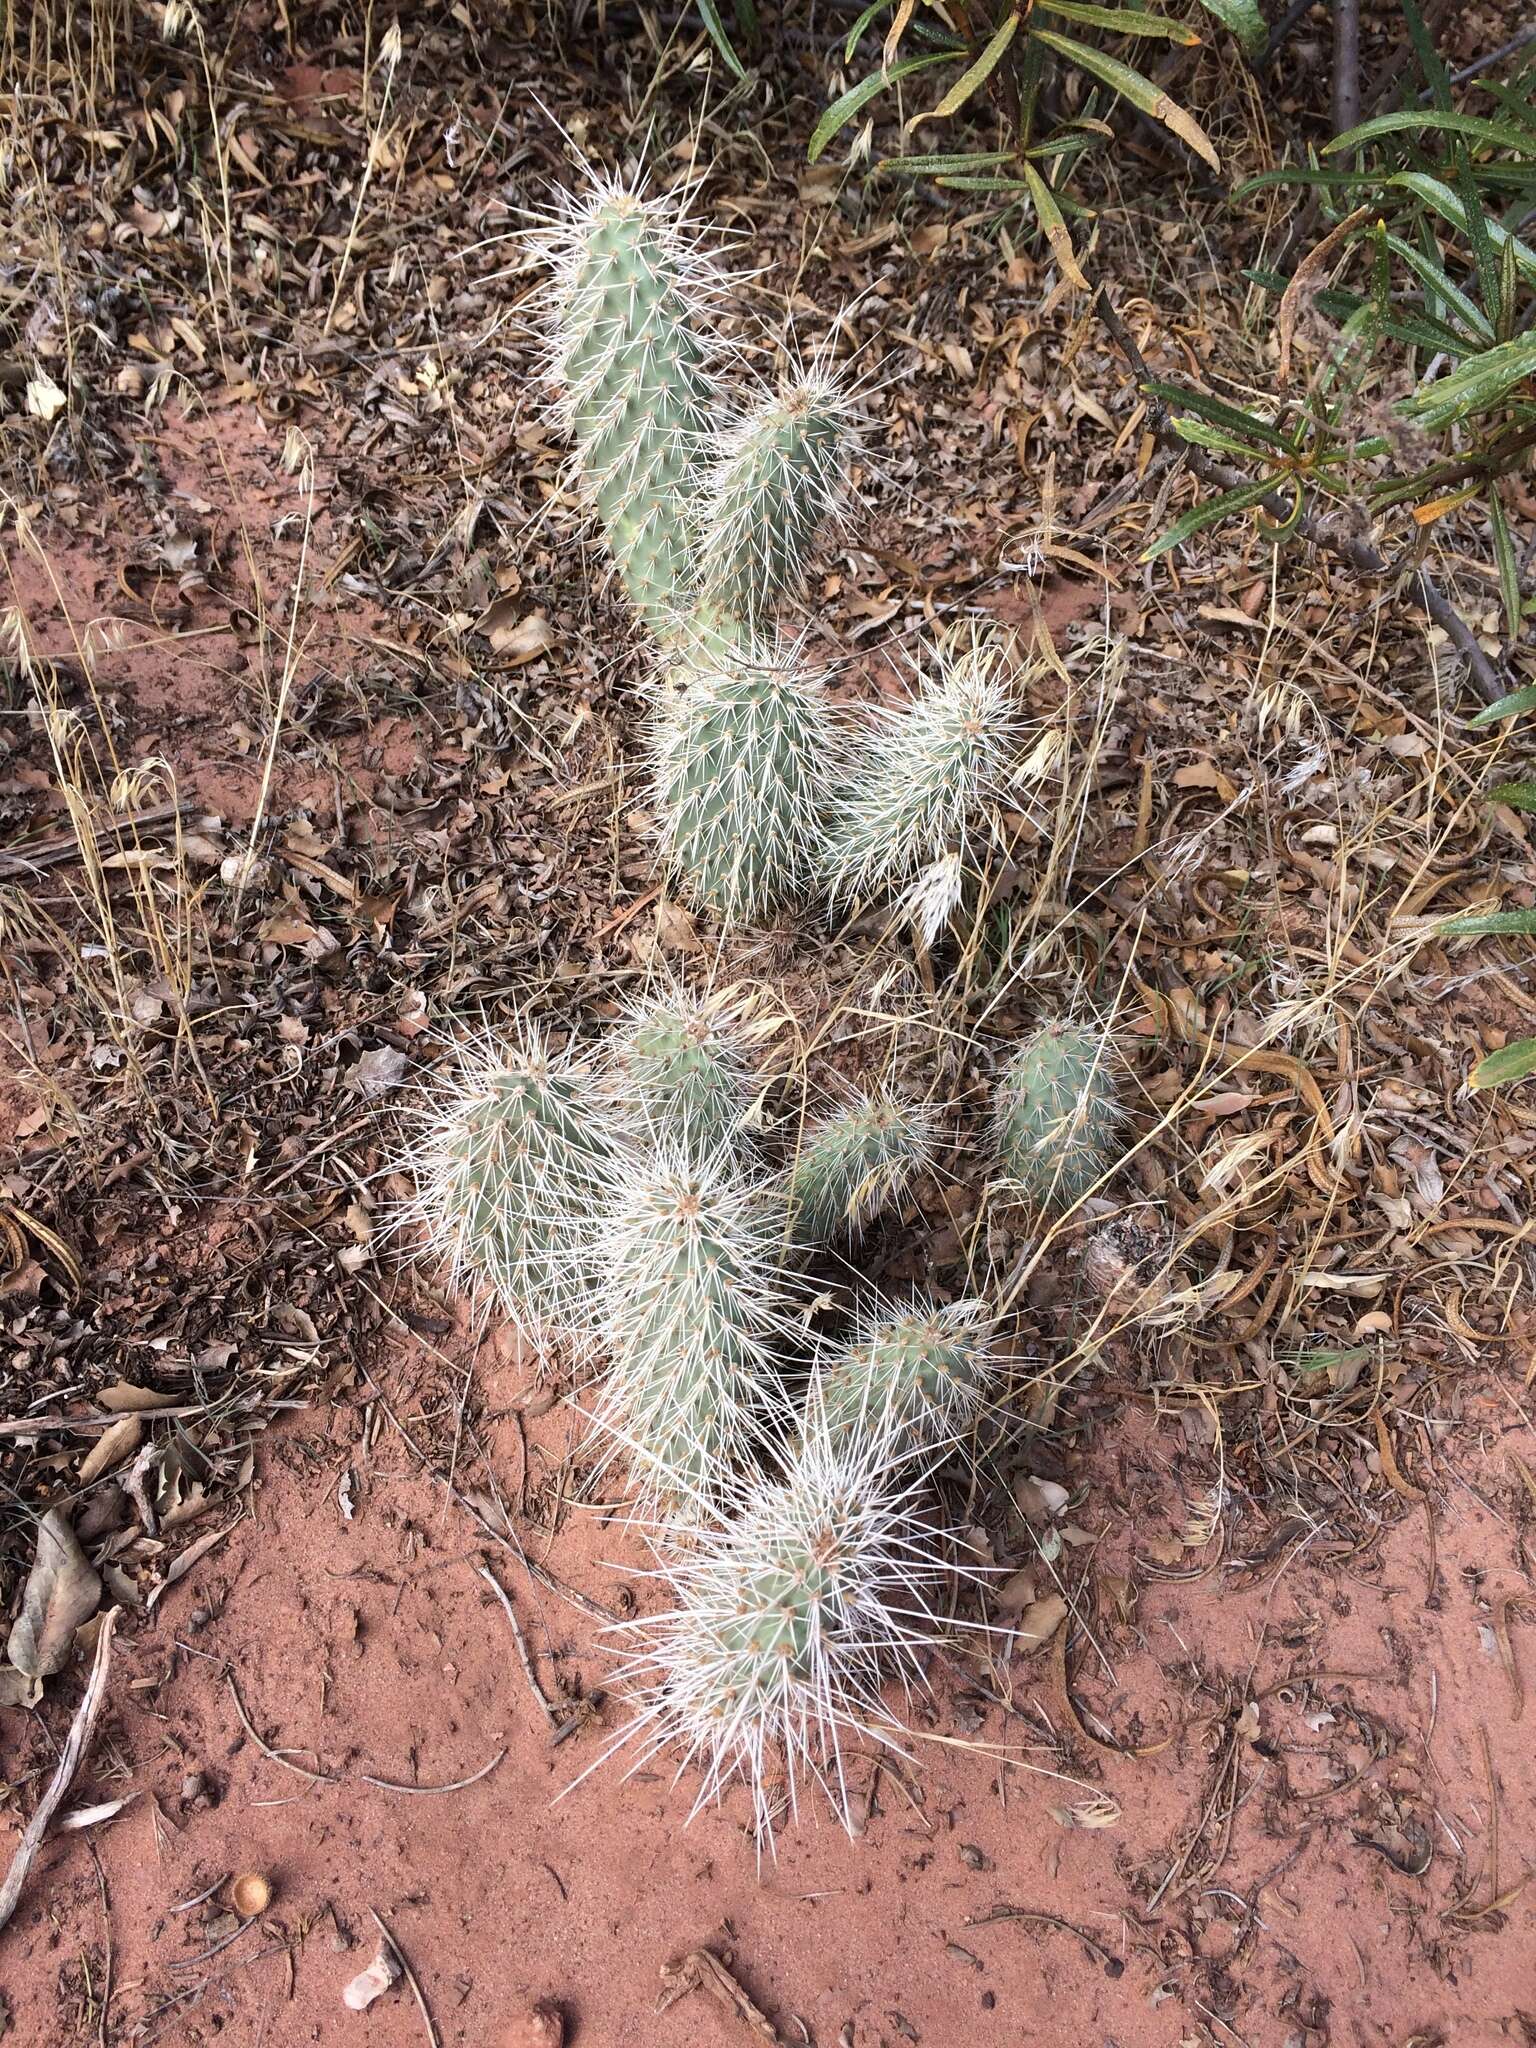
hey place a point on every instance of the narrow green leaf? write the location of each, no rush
(1496, 133)
(1245, 21)
(1203, 435)
(1511, 1063)
(1310, 174)
(1478, 383)
(1433, 276)
(842, 110)
(1494, 924)
(1520, 796)
(1218, 413)
(1141, 92)
(1125, 21)
(710, 15)
(1207, 514)
(942, 166)
(1515, 705)
(868, 14)
(975, 75)
(1428, 56)
(1437, 194)
(1509, 566)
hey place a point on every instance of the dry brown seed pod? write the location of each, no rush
(250, 1894)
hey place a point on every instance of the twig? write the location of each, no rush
(410, 1977)
(275, 1756)
(521, 1640)
(1113, 1966)
(63, 1776)
(1322, 533)
(458, 1785)
(1280, 34)
(1346, 65)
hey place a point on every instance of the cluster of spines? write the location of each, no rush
(923, 1370)
(1057, 1115)
(694, 1316)
(786, 1627)
(920, 775)
(779, 479)
(511, 1162)
(744, 750)
(854, 1162)
(678, 1070)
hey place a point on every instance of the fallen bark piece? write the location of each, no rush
(699, 1970)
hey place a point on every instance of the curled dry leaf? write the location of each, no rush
(372, 1983)
(62, 1592)
(1040, 1621)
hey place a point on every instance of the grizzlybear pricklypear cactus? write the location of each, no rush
(780, 477)
(511, 1163)
(694, 1318)
(853, 1162)
(745, 752)
(920, 777)
(828, 1583)
(1057, 1114)
(631, 363)
(922, 1370)
(679, 1073)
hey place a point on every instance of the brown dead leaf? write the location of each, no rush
(111, 1447)
(63, 1590)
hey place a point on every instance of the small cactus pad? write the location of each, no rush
(852, 1163)
(923, 1368)
(1057, 1114)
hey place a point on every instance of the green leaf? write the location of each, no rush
(869, 14)
(710, 15)
(974, 75)
(1432, 275)
(1310, 174)
(1493, 924)
(1509, 567)
(1245, 21)
(1141, 92)
(1219, 414)
(1125, 21)
(1520, 796)
(1207, 514)
(1438, 195)
(842, 110)
(1049, 215)
(1511, 1063)
(942, 166)
(1480, 382)
(1472, 126)
(1203, 435)
(1515, 705)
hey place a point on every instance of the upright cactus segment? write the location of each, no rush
(637, 388)
(920, 779)
(511, 1165)
(788, 1623)
(1057, 1114)
(923, 1371)
(781, 473)
(694, 1316)
(679, 1073)
(745, 750)
(852, 1163)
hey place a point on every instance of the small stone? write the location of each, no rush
(542, 2026)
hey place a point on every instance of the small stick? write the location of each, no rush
(275, 1756)
(499, 1590)
(458, 1785)
(410, 1977)
(74, 1749)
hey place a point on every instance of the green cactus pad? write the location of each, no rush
(926, 1368)
(681, 1073)
(853, 1163)
(1057, 1115)
(779, 477)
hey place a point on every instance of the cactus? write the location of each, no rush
(745, 751)
(679, 1072)
(920, 776)
(511, 1162)
(637, 385)
(781, 474)
(1057, 1114)
(853, 1162)
(694, 1317)
(925, 1369)
(788, 1623)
